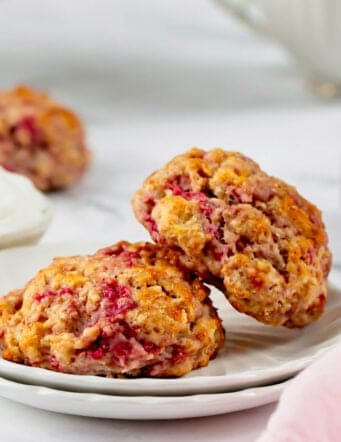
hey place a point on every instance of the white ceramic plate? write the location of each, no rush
(139, 407)
(254, 354)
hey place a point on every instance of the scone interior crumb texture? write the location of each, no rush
(252, 235)
(41, 139)
(128, 310)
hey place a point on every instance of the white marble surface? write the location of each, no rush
(152, 79)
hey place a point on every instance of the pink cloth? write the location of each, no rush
(310, 408)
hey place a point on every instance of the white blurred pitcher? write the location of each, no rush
(309, 29)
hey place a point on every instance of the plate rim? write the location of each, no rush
(140, 407)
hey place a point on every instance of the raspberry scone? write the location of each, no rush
(250, 234)
(128, 310)
(41, 139)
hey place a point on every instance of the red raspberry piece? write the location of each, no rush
(119, 299)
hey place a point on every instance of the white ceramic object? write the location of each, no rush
(139, 407)
(25, 212)
(309, 29)
(254, 354)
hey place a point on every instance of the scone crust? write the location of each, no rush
(41, 139)
(251, 234)
(128, 310)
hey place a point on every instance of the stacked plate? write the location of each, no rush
(253, 368)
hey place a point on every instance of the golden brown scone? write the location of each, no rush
(250, 234)
(41, 139)
(126, 311)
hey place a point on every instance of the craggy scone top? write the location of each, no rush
(41, 139)
(250, 234)
(128, 310)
